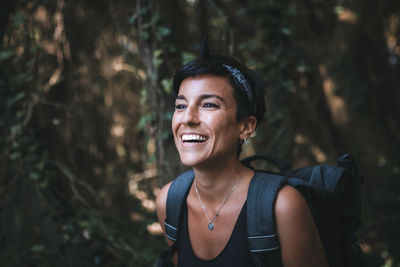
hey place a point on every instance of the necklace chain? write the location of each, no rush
(214, 220)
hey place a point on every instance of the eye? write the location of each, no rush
(210, 105)
(180, 106)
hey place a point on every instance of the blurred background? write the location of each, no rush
(86, 104)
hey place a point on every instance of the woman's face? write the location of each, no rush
(204, 123)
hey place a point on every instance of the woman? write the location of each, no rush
(218, 106)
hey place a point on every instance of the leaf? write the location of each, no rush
(33, 148)
(157, 60)
(187, 57)
(18, 19)
(43, 184)
(24, 77)
(143, 96)
(144, 35)
(167, 85)
(14, 100)
(5, 55)
(163, 31)
(132, 19)
(34, 175)
(144, 121)
(286, 31)
(152, 22)
(38, 248)
(16, 128)
(30, 62)
(15, 145)
(41, 164)
(14, 155)
(158, 52)
(20, 114)
(338, 9)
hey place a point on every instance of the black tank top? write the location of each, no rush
(235, 254)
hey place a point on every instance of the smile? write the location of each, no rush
(193, 138)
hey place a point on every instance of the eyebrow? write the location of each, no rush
(205, 96)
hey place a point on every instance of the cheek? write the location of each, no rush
(174, 122)
(225, 128)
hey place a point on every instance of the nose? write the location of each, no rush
(191, 116)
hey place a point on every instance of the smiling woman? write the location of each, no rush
(219, 104)
(204, 123)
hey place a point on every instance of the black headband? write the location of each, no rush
(235, 73)
(239, 77)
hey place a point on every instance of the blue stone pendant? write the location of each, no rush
(210, 226)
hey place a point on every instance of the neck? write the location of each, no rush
(214, 183)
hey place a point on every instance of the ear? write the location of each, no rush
(247, 127)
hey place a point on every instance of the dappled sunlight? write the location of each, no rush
(337, 104)
(118, 65)
(151, 146)
(20, 51)
(121, 151)
(392, 42)
(319, 155)
(300, 139)
(392, 31)
(149, 204)
(366, 248)
(146, 200)
(346, 15)
(129, 44)
(137, 217)
(155, 228)
(117, 130)
(49, 47)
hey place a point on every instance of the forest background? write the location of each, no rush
(86, 105)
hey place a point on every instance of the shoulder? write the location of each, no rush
(161, 202)
(161, 206)
(289, 202)
(182, 183)
(299, 237)
(291, 208)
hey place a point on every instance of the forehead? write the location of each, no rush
(206, 84)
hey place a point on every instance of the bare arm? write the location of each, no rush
(161, 205)
(299, 237)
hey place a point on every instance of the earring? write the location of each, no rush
(243, 141)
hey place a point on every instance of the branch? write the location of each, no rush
(74, 180)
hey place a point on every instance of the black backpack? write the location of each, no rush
(332, 192)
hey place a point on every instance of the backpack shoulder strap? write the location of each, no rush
(177, 194)
(263, 238)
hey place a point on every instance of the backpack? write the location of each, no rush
(333, 194)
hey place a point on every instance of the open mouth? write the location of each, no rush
(193, 138)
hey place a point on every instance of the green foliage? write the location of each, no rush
(385, 201)
(187, 57)
(49, 215)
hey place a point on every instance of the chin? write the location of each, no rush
(191, 161)
(203, 161)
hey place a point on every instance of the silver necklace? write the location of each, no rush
(214, 220)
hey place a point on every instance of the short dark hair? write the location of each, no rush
(234, 71)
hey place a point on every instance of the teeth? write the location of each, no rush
(193, 137)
